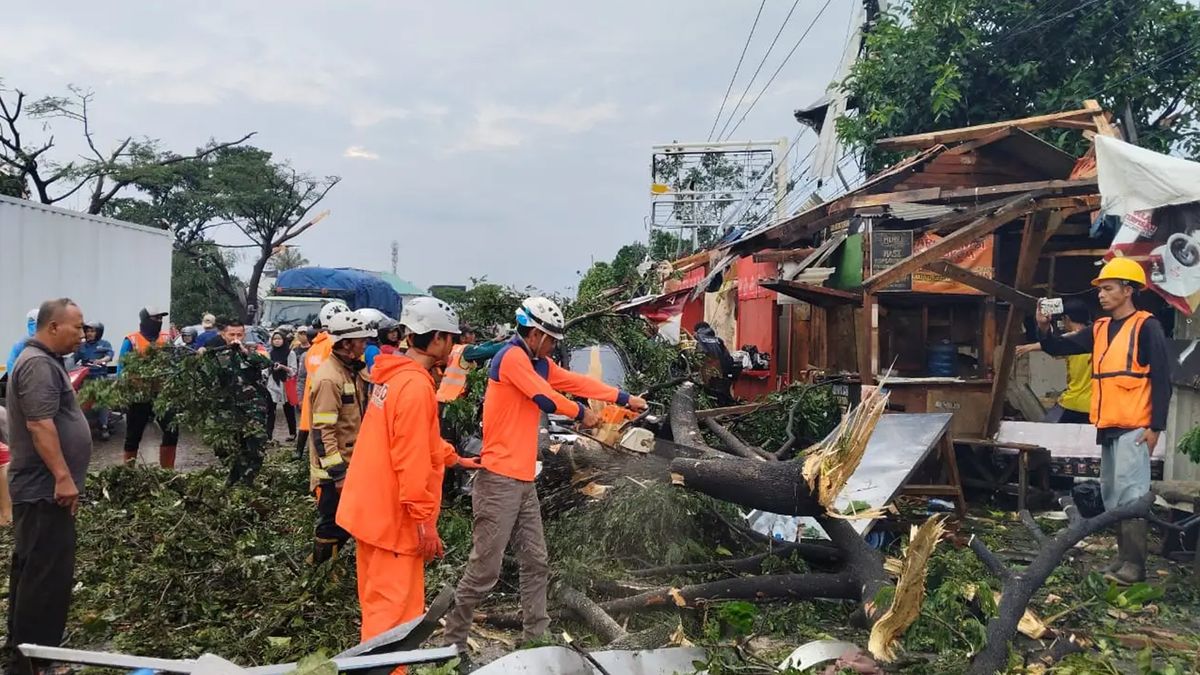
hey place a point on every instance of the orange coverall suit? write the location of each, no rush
(394, 483)
(504, 500)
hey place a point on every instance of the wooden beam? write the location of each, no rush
(783, 255)
(1038, 228)
(1100, 119)
(989, 221)
(968, 133)
(821, 296)
(963, 194)
(989, 286)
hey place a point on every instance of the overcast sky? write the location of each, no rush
(502, 139)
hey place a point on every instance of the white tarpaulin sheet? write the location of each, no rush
(1157, 199)
(1135, 179)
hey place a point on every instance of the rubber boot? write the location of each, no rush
(130, 457)
(1122, 550)
(1134, 569)
(166, 456)
(324, 550)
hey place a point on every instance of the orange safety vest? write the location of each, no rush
(141, 344)
(318, 352)
(454, 378)
(1120, 384)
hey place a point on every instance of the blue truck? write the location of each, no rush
(298, 294)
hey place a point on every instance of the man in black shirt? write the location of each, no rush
(1131, 393)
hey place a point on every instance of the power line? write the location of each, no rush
(1052, 19)
(1171, 56)
(757, 70)
(736, 70)
(780, 68)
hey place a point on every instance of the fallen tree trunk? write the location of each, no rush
(685, 429)
(1020, 586)
(590, 613)
(777, 487)
(814, 552)
(734, 444)
(766, 587)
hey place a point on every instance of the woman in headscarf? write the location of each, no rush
(276, 377)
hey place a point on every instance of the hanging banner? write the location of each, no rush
(1157, 201)
(889, 247)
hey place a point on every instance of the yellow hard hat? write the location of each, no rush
(1123, 269)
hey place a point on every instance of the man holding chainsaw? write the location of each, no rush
(523, 384)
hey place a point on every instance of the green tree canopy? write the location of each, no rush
(940, 64)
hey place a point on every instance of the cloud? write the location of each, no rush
(504, 126)
(370, 115)
(359, 152)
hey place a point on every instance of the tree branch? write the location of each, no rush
(1036, 530)
(734, 444)
(994, 564)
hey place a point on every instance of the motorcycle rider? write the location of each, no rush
(187, 338)
(95, 353)
(388, 336)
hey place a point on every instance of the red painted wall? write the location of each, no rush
(757, 324)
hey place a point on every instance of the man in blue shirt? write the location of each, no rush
(30, 326)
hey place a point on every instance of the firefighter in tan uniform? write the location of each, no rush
(338, 397)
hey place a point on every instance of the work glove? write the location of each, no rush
(428, 542)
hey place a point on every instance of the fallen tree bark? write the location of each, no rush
(685, 429)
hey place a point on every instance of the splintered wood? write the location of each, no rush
(831, 463)
(910, 590)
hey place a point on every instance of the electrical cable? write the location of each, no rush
(779, 69)
(761, 63)
(736, 70)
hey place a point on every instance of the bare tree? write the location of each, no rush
(104, 173)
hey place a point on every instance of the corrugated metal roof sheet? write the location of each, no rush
(916, 211)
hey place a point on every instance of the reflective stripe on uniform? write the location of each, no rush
(331, 460)
(324, 418)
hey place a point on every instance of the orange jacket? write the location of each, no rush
(1120, 384)
(395, 480)
(519, 390)
(318, 352)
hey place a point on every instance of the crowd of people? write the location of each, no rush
(369, 390)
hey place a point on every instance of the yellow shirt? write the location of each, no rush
(1078, 396)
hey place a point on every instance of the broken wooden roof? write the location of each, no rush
(954, 170)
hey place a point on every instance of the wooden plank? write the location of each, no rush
(925, 140)
(1038, 227)
(967, 194)
(989, 286)
(864, 332)
(988, 222)
(782, 255)
(988, 348)
(1077, 253)
(1100, 119)
(988, 139)
(822, 296)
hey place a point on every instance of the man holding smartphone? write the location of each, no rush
(1131, 393)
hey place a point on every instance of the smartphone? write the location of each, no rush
(1050, 306)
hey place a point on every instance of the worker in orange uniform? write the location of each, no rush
(337, 401)
(393, 490)
(454, 376)
(1131, 393)
(318, 350)
(523, 383)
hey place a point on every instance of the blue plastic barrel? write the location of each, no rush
(942, 359)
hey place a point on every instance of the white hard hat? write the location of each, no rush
(371, 315)
(330, 310)
(346, 325)
(426, 315)
(544, 314)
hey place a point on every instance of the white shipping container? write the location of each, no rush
(110, 268)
